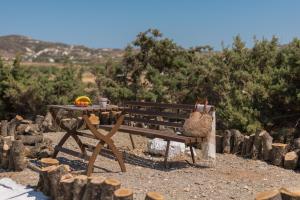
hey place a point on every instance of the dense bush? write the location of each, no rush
(252, 88)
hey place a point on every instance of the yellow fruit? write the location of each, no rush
(82, 101)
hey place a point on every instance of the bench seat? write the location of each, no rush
(152, 133)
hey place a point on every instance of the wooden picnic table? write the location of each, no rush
(102, 139)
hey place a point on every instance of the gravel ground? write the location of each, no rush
(232, 178)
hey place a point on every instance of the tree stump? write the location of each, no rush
(244, 148)
(290, 194)
(226, 141)
(93, 190)
(219, 144)
(79, 186)
(268, 195)
(17, 156)
(108, 188)
(257, 147)
(277, 153)
(54, 174)
(238, 140)
(39, 119)
(4, 128)
(154, 196)
(291, 160)
(50, 178)
(66, 183)
(46, 162)
(123, 194)
(266, 144)
(5, 147)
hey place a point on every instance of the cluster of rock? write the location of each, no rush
(260, 146)
(58, 182)
(21, 139)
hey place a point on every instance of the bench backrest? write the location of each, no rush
(164, 114)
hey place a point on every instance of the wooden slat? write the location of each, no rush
(150, 133)
(160, 105)
(156, 113)
(150, 121)
(72, 153)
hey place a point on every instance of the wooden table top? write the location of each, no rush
(87, 108)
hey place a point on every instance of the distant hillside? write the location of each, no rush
(33, 50)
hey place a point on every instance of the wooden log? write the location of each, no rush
(66, 183)
(291, 160)
(219, 144)
(290, 194)
(297, 143)
(94, 119)
(28, 129)
(46, 162)
(277, 153)
(244, 148)
(249, 145)
(238, 140)
(96, 186)
(269, 195)
(54, 175)
(123, 194)
(266, 140)
(30, 139)
(44, 182)
(13, 124)
(5, 146)
(4, 128)
(257, 147)
(39, 119)
(79, 186)
(17, 155)
(226, 141)
(108, 188)
(154, 196)
(93, 188)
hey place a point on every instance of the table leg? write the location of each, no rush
(93, 158)
(61, 143)
(106, 139)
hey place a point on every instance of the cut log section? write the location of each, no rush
(277, 153)
(66, 183)
(30, 139)
(266, 140)
(94, 119)
(290, 194)
(79, 186)
(5, 147)
(17, 156)
(96, 185)
(50, 178)
(219, 144)
(226, 141)
(291, 160)
(123, 194)
(257, 147)
(4, 128)
(46, 162)
(269, 195)
(154, 196)
(108, 188)
(238, 140)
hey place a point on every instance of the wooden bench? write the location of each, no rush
(158, 120)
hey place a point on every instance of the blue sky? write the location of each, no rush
(115, 23)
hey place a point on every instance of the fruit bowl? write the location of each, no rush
(82, 101)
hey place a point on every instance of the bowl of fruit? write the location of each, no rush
(82, 101)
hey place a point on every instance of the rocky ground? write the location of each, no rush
(232, 178)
